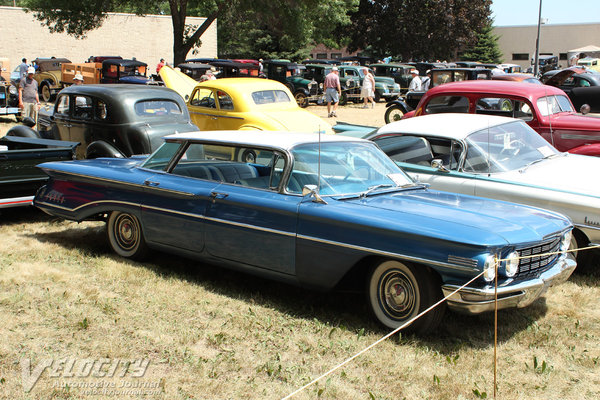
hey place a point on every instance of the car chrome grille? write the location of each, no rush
(467, 262)
(531, 265)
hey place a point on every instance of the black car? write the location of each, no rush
(582, 87)
(115, 120)
(124, 71)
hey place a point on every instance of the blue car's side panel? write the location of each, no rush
(255, 227)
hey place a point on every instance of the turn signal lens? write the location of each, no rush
(512, 264)
(489, 268)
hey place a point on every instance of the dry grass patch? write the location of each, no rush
(210, 333)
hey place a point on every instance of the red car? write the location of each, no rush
(546, 109)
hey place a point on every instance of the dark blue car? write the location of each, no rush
(311, 210)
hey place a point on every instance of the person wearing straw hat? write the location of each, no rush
(29, 100)
(78, 79)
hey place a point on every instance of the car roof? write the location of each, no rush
(243, 85)
(449, 125)
(121, 93)
(509, 88)
(270, 139)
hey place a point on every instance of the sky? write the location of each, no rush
(525, 12)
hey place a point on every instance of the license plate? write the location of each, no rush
(2, 95)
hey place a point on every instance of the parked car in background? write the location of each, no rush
(546, 63)
(517, 77)
(546, 109)
(244, 104)
(385, 87)
(590, 63)
(114, 120)
(194, 70)
(582, 86)
(500, 158)
(308, 87)
(282, 71)
(19, 177)
(400, 73)
(510, 68)
(124, 71)
(9, 99)
(311, 210)
(48, 75)
(396, 109)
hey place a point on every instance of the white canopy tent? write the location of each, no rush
(589, 51)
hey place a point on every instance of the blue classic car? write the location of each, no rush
(310, 210)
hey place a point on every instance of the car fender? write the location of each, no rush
(303, 90)
(23, 131)
(400, 103)
(587, 150)
(102, 149)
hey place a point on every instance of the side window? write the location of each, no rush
(504, 107)
(460, 76)
(409, 149)
(83, 107)
(249, 167)
(447, 104)
(101, 110)
(62, 105)
(203, 97)
(225, 101)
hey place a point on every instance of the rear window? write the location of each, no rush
(157, 108)
(447, 104)
(270, 96)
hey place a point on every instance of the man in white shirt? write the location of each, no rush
(415, 84)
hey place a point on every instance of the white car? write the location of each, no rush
(500, 158)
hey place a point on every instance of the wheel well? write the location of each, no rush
(355, 278)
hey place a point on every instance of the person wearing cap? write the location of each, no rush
(160, 65)
(415, 83)
(333, 90)
(78, 79)
(29, 100)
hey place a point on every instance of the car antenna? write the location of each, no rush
(549, 119)
(319, 164)
(488, 150)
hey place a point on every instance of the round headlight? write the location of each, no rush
(12, 89)
(565, 243)
(320, 86)
(489, 268)
(512, 264)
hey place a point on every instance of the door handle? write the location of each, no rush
(151, 183)
(217, 195)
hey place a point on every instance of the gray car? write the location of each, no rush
(115, 120)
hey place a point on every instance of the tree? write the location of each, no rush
(485, 49)
(287, 21)
(281, 28)
(417, 29)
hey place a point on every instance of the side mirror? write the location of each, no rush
(585, 109)
(311, 191)
(437, 164)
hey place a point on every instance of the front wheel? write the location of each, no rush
(343, 99)
(46, 93)
(398, 292)
(125, 235)
(393, 113)
(301, 99)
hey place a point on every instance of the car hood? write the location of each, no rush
(559, 78)
(386, 80)
(292, 120)
(571, 173)
(462, 218)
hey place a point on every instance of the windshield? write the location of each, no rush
(505, 147)
(550, 105)
(345, 168)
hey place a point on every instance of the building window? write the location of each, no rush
(562, 56)
(336, 55)
(321, 55)
(520, 56)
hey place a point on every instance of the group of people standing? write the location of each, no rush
(333, 90)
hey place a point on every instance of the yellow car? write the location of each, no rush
(242, 104)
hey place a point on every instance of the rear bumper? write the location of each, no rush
(9, 110)
(520, 294)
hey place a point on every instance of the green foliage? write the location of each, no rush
(486, 49)
(416, 29)
(539, 368)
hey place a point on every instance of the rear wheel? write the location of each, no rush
(397, 292)
(125, 235)
(377, 97)
(343, 99)
(393, 113)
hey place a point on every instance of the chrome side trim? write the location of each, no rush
(254, 227)
(390, 254)
(580, 137)
(215, 116)
(16, 201)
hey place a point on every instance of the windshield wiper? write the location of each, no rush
(387, 185)
(541, 159)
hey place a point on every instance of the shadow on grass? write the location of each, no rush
(23, 215)
(346, 310)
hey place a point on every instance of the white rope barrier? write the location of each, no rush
(496, 263)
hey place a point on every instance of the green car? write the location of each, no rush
(399, 72)
(308, 86)
(385, 87)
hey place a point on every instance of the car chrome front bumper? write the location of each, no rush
(520, 294)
